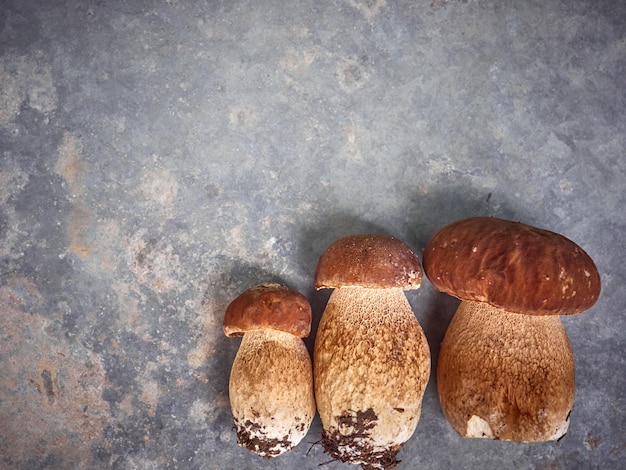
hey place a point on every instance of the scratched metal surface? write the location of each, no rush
(157, 158)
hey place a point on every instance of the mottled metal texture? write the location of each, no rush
(157, 158)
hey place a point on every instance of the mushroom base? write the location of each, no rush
(505, 375)
(355, 449)
(251, 435)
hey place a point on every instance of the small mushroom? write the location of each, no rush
(271, 381)
(371, 358)
(506, 367)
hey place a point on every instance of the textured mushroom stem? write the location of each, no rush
(372, 364)
(271, 392)
(505, 375)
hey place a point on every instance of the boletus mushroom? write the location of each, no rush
(371, 358)
(506, 366)
(271, 381)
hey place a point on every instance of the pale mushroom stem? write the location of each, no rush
(271, 393)
(372, 364)
(504, 375)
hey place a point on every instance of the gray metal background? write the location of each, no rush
(159, 157)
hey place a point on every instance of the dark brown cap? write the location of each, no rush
(371, 261)
(269, 306)
(512, 266)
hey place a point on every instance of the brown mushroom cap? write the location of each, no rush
(370, 261)
(269, 306)
(512, 266)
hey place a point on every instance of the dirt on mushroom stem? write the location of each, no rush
(354, 448)
(265, 447)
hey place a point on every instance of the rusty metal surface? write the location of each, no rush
(158, 158)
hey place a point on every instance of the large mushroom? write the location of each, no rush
(371, 358)
(506, 366)
(271, 381)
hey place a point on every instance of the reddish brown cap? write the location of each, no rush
(512, 266)
(371, 261)
(269, 306)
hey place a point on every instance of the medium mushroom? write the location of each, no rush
(371, 358)
(506, 366)
(271, 381)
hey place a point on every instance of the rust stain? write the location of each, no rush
(209, 323)
(47, 382)
(70, 164)
(77, 226)
(72, 167)
(154, 263)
